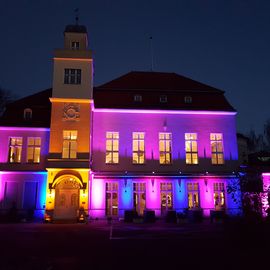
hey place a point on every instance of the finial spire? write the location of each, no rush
(76, 11)
(151, 51)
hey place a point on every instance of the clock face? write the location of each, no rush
(71, 111)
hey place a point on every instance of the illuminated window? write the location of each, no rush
(27, 114)
(72, 76)
(111, 199)
(15, 149)
(112, 147)
(191, 146)
(165, 148)
(75, 45)
(163, 99)
(219, 196)
(33, 149)
(139, 201)
(217, 148)
(193, 195)
(138, 98)
(188, 99)
(69, 144)
(138, 156)
(166, 197)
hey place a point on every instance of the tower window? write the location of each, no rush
(188, 99)
(138, 98)
(72, 76)
(163, 99)
(69, 144)
(75, 45)
(27, 114)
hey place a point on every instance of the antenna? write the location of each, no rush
(151, 52)
(76, 11)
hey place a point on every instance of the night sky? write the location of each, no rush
(223, 43)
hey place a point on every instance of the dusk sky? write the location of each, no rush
(223, 43)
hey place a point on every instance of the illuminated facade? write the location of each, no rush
(144, 141)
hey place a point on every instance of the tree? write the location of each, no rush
(6, 97)
(267, 133)
(254, 141)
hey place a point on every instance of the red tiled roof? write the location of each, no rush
(40, 105)
(139, 80)
(119, 93)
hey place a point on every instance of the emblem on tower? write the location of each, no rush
(71, 112)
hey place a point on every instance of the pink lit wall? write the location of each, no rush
(152, 124)
(153, 194)
(7, 132)
(97, 198)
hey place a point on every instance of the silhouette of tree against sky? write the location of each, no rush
(259, 142)
(6, 96)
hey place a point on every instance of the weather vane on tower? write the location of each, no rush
(76, 11)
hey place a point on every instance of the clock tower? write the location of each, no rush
(70, 131)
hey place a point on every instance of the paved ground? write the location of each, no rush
(99, 245)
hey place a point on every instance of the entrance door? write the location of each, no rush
(111, 199)
(139, 197)
(166, 197)
(66, 200)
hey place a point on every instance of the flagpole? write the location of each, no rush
(151, 51)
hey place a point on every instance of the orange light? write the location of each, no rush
(73, 59)
(75, 100)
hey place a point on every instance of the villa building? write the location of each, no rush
(144, 141)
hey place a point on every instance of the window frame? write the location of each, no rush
(75, 47)
(189, 140)
(140, 142)
(165, 152)
(167, 189)
(72, 76)
(163, 99)
(188, 99)
(137, 98)
(70, 143)
(12, 155)
(112, 152)
(219, 194)
(35, 147)
(193, 191)
(216, 154)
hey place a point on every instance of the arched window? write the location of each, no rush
(27, 114)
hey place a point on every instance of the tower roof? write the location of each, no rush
(75, 29)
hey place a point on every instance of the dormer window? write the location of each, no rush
(27, 114)
(75, 45)
(188, 99)
(163, 99)
(138, 98)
